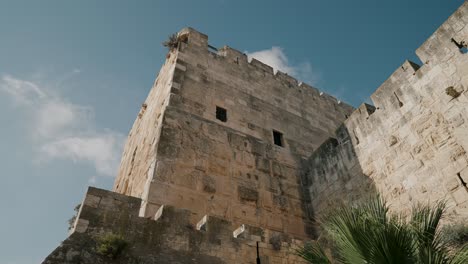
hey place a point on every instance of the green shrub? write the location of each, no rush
(172, 42)
(369, 233)
(71, 221)
(111, 245)
(456, 235)
(452, 92)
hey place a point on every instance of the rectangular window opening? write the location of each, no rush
(278, 138)
(221, 114)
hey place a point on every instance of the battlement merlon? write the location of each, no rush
(440, 46)
(192, 37)
(389, 88)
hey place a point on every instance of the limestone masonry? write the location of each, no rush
(225, 153)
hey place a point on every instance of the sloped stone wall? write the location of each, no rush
(172, 238)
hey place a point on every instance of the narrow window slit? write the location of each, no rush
(398, 99)
(355, 136)
(462, 181)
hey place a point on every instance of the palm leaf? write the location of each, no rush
(367, 233)
(461, 256)
(424, 222)
(312, 252)
(353, 228)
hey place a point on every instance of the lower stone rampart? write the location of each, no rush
(168, 237)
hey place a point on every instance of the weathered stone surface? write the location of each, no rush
(247, 194)
(178, 153)
(411, 148)
(185, 164)
(172, 238)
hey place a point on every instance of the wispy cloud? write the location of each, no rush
(64, 130)
(23, 92)
(276, 58)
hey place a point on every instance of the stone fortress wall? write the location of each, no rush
(205, 191)
(186, 157)
(169, 239)
(412, 146)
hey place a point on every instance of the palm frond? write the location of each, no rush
(393, 244)
(424, 222)
(367, 233)
(312, 252)
(353, 228)
(461, 256)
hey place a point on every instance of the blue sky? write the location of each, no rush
(73, 75)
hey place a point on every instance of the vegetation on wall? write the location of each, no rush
(455, 235)
(72, 220)
(368, 233)
(452, 92)
(172, 42)
(111, 245)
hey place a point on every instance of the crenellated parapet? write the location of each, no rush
(255, 67)
(171, 237)
(448, 40)
(412, 146)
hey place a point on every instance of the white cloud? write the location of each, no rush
(23, 92)
(58, 117)
(63, 130)
(277, 59)
(103, 151)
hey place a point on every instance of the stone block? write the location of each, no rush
(266, 199)
(247, 194)
(237, 141)
(460, 195)
(258, 148)
(209, 184)
(451, 183)
(81, 226)
(281, 202)
(244, 213)
(92, 200)
(464, 175)
(262, 164)
(219, 206)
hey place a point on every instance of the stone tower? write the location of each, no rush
(225, 137)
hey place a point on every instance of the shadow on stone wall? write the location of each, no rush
(332, 176)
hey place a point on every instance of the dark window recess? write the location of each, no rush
(462, 46)
(278, 138)
(221, 114)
